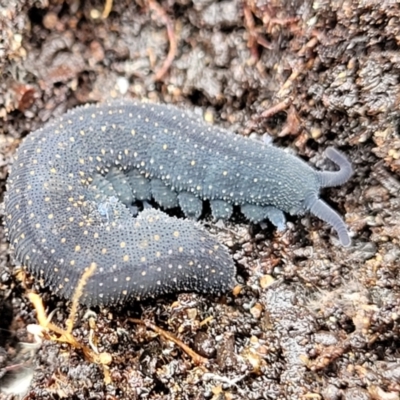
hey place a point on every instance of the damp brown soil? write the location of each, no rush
(312, 319)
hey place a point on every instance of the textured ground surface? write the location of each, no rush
(313, 320)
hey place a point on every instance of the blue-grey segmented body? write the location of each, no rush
(74, 183)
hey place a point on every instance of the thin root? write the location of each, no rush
(65, 335)
(107, 9)
(162, 15)
(77, 295)
(283, 105)
(197, 359)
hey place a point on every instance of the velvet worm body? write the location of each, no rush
(74, 183)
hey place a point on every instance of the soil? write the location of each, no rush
(312, 320)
